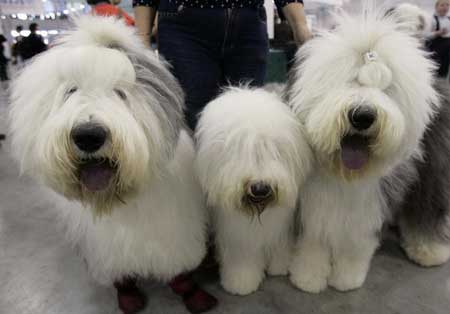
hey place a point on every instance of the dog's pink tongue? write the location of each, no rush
(96, 176)
(354, 152)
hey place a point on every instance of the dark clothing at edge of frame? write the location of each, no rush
(211, 4)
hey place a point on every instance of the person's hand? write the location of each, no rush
(441, 32)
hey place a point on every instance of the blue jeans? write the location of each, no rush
(210, 48)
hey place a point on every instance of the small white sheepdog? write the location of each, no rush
(364, 93)
(251, 160)
(98, 118)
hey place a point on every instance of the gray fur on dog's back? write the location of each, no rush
(425, 209)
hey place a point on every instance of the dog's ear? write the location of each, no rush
(155, 82)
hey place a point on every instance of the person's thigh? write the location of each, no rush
(247, 50)
(193, 63)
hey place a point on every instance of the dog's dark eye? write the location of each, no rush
(121, 94)
(69, 93)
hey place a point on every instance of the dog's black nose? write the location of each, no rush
(260, 190)
(362, 117)
(89, 137)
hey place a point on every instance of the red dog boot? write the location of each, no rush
(195, 298)
(130, 299)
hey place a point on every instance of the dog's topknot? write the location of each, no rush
(374, 73)
(103, 31)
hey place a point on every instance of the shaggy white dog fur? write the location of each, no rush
(252, 159)
(364, 93)
(98, 118)
(412, 19)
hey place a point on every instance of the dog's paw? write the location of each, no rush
(309, 277)
(427, 254)
(349, 274)
(242, 280)
(346, 280)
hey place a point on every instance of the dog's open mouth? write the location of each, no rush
(96, 174)
(355, 151)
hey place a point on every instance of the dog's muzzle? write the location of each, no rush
(89, 137)
(259, 194)
(95, 174)
(355, 147)
(362, 117)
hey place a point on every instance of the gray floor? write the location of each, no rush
(39, 273)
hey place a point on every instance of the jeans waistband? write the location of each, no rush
(167, 6)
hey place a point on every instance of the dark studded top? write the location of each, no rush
(211, 4)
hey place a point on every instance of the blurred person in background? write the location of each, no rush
(438, 40)
(33, 44)
(16, 54)
(110, 8)
(3, 69)
(212, 43)
(3, 62)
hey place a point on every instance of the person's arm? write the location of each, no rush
(433, 33)
(144, 15)
(295, 14)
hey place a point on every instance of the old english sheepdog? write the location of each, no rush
(422, 205)
(251, 161)
(98, 119)
(365, 95)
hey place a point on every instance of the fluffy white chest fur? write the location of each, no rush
(337, 212)
(340, 221)
(160, 233)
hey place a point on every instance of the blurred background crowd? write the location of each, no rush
(274, 31)
(43, 20)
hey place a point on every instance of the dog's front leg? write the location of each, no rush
(310, 266)
(350, 263)
(242, 260)
(280, 255)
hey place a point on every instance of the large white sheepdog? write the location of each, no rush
(251, 160)
(364, 93)
(98, 118)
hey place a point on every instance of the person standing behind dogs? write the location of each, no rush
(211, 43)
(438, 41)
(16, 53)
(3, 61)
(110, 8)
(33, 44)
